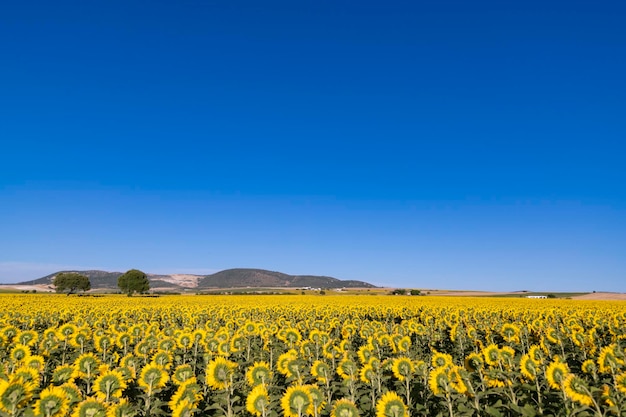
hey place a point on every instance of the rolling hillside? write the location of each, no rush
(230, 278)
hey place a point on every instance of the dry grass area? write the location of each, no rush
(614, 296)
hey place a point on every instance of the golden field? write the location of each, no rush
(310, 355)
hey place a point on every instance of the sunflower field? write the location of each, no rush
(310, 355)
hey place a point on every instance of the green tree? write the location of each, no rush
(132, 281)
(70, 282)
(416, 292)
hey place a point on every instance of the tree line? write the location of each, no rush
(132, 281)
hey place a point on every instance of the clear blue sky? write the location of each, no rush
(424, 144)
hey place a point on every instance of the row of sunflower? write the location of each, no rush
(310, 356)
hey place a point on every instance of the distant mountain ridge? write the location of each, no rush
(229, 278)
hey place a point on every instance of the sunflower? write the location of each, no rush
(510, 333)
(90, 408)
(109, 385)
(53, 402)
(457, 381)
(28, 337)
(219, 373)
(292, 337)
(188, 391)
(185, 341)
(344, 408)
(589, 367)
(72, 393)
(163, 359)
(36, 362)
(492, 354)
(404, 344)
(258, 401)
(19, 353)
(295, 401)
(367, 373)
(439, 381)
(365, 352)
(283, 359)
(402, 368)
(184, 409)
(607, 360)
(391, 405)
(321, 371)
(152, 377)
(536, 353)
(27, 374)
(347, 369)
(259, 373)
(120, 409)
(474, 362)
(86, 365)
(15, 394)
(529, 367)
(576, 390)
(317, 400)
(556, 374)
(497, 379)
(507, 353)
(182, 373)
(440, 360)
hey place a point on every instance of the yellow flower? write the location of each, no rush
(182, 373)
(556, 374)
(152, 377)
(90, 408)
(109, 385)
(529, 367)
(53, 402)
(219, 373)
(367, 373)
(439, 381)
(474, 362)
(347, 369)
(576, 390)
(391, 405)
(440, 360)
(15, 394)
(120, 409)
(259, 373)
(321, 371)
(188, 391)
(402, 368)
(295, 401)
(317, 400)
(492, 354)
(344, 408)
(258, 401)
(457, 382)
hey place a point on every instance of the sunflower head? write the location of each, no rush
(474, 362)
(182, 373)
(295, 401)
(53, 402)
(556, 373)
(321, 371)
(152, 377)
(258, 401)
(109, 385)
(219, 373)
(259, 373)
(402, 368)
(14, 394)
(391, 405)
(90, 408)
(344, 408)
(576, 390)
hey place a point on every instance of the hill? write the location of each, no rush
(230, 278)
